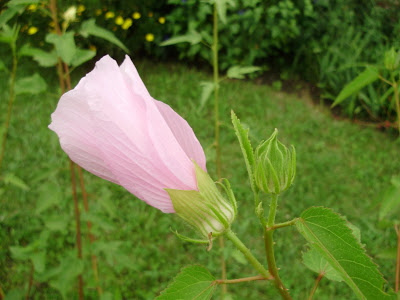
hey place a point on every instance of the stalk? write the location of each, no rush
(10, 103)
(214, 48)
(269, 248)
(30, 283)
(247, 254)
(240, 280)
(317, 281)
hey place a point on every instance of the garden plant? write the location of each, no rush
(66, 234)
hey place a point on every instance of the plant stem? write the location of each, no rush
(320, 276)
(214, 48)
(269, 248)
(247, 254)
(30, 283)
(398, 259)
(1, 293)
(90, 235)
(78, 225)
(284, 224)
(246, 279)
(10, 103)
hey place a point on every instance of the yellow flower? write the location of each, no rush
(127, 24)
(110, 15)
(32, 30)
(161, 20)
(136, 15)
(98, 12)
(93, 48)
(81, 8)
(32, 7)
(119, 20)
(150, 14)
(149, 37)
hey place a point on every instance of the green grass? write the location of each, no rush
(340, 165)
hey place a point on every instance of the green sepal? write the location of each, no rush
(188, 239)
(227, 188)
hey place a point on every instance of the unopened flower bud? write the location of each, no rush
(70, 14)
(392, 59)
(205, 209)
(275, 166)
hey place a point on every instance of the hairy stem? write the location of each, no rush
(269, 248)
(284, 224)
(247, 254)
(30, 283)
(10, 103)
(398, 259)
(320, 276)
(246, 279)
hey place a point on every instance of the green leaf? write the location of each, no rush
(49, 195)
(207, 88)
(14, 180)
(43, 58)
(34, 84)
(82, 56)
(328, 233)
(2, 66)
(369, 75)
(194, 282)
(193, 37)
(221, 8)
(245, 145)
(64, 44)
(9, 35)
(56, 222)
(238, 72)
(89, 27)
(22, 2)
(315, 262)
(39, 261)
(9, 13)
(390, 204)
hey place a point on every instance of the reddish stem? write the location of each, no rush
(30, 283)
(398, 259)
(320, 276)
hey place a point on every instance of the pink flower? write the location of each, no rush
(111, 126)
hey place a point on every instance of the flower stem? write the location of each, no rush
(214, 48)
(30, 283)
(247, 254)
(398, 259)
(320, 276)
(10, 103)
(78, 224)
(246, 279)
(269, 248)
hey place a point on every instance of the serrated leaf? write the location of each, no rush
(315, 262)
(193, 37)
(207, 89)
(369, 75)
(15, 181)
(43, 58)
(82, 56)
(64, 44)
(245, 145)
(238, 72)
(328, 233)
(34, 84)
(89, 27)
(194, 282)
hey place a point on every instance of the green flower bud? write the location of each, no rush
(392, 59)
(275, 166)
(206, 209)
